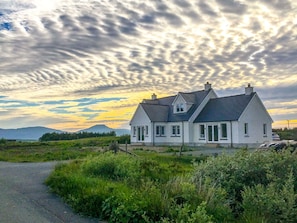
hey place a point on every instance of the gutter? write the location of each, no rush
(231, 134)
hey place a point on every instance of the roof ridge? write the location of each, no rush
(193, 92)
(231, 96)
(150, 104)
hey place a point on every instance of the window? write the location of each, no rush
(134, 131)
(246, 128)
(264, 129)
(160, 130)
(180, 107)
(202, 131)
(146, 130)
(175, 130)
(224, 130)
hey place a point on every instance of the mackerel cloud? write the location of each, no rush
(62, 48)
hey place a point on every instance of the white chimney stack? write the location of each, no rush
(154, 96)
(207, 86)
(249, 90)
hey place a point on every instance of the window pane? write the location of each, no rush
(246, 130)
(224, 130)
(162, 130)
(202, 131)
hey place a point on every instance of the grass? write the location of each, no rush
(54, 150)
(124, 188)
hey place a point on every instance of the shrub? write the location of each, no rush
(243, 171)
(111, 166)
(274, 203)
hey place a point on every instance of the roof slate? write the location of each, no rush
(161, 110)
(224, 109)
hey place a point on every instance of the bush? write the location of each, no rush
(245, 175)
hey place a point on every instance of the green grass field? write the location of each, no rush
(54, 150)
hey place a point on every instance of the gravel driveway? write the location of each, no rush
(25, 199)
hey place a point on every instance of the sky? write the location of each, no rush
(73, 64)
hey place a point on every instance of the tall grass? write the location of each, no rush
(130, 189)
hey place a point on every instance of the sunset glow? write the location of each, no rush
(73, 64)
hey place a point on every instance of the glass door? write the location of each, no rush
(213, 133)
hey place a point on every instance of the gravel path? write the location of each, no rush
(25, 199)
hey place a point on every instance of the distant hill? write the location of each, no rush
(28, 133)
(104, 128)
(34, 133)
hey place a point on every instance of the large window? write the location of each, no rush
(223, 130)
(160, 130)
(201, 131)
(246, 129)
(175, 131)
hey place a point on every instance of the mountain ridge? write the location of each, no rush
(35, 132)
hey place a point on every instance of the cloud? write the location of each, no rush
(61, 52)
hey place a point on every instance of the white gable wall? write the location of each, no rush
(139, 120)
(255, 115)
(180, 100)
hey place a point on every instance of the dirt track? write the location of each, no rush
(25, 199)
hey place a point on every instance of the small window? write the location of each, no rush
(146, 130)
(246, 128)
(160, 130)
(134, 131)
(264, 129)
(175, 130)
(224, 130)
(202, 131)
(180, 107)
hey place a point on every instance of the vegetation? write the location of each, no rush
(70, 136)
(15, 151)
(287, 134)
(246, 187)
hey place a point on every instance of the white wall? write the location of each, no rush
(255, 115)
(140, 118)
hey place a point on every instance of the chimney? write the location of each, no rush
(249, 90)
(207, 86)
(154, 96)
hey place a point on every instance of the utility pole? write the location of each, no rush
(288, 124)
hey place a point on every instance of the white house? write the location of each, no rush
(201, 117)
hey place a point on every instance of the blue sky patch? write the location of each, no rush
(6, 26)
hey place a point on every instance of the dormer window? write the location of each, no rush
(180, 107)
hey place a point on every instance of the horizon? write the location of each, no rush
(72, 64)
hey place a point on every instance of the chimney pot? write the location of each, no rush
(249, 90)
(207, 86)
(154, 96)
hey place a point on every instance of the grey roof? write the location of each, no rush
(161, 109)
(156, 113)
(224, 109)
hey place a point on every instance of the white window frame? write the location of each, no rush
(180, 108)
(264, 129)
(202, 134)
(175, 130)
(160, 130)
(134, 131)
(246, 129)
(226, 131)
(146, 130)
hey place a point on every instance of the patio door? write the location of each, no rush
(140, 133)
(212, 133)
